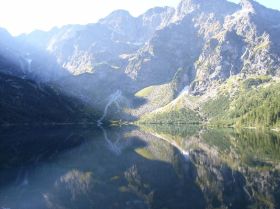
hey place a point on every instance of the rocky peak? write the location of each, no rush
(121, 23)
(156, 18)
(187, 6)
(218, 7)
(257, 17)
(254, 7)
(250, 5)
(119, 13)
(156, 11)
(117, 17)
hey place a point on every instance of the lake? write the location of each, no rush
(151, 167)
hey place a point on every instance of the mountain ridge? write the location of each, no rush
(198, 46)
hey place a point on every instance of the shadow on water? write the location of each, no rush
(27, 147)
(129, 168)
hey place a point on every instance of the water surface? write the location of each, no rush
(159, 167)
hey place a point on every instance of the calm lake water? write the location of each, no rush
(154, 167)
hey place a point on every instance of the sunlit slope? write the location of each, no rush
(238, 102)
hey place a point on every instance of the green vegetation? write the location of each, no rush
(258, 107)
(173, 133)
(218, 138)
(256, 149)
(175, 112)
(152, 98)
(229, 153)
(157, 93)
(180, 116)
(180, 130)
(255, 104)
(254, 82)
(258, 146)
(145, 92)
(145, 153)
(216, 109)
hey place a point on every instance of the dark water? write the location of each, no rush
(159, 167)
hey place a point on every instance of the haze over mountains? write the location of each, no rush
(164, 62)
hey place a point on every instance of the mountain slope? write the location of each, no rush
(246, 44)
(204, 44)
(245, 47)
(23, 101)
(26, 98)
(252, 102)
(81, 49)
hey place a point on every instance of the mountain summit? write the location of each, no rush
(193, 50)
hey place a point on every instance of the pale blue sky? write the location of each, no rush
(20, 16)
(274, 4)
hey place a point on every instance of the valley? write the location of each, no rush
(175, 108)
(193, 64)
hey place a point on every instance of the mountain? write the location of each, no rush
(246, 44)
(9, 57)
(29, 62)
(241, 59)
(25, 102)
(81, 49)
(27, 97)
(169, 62)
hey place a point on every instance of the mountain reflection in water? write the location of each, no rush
(159, 167)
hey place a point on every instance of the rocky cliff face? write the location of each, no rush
(203, 42)
(81, 49)
(245, 44)
(210, 42)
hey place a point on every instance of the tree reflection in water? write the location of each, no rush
(141, 168)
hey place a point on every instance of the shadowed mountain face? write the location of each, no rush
(26, 61)
(26, 94)
(24, 101)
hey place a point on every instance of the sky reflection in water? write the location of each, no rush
(148, 167)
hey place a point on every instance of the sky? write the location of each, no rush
(24, 16)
